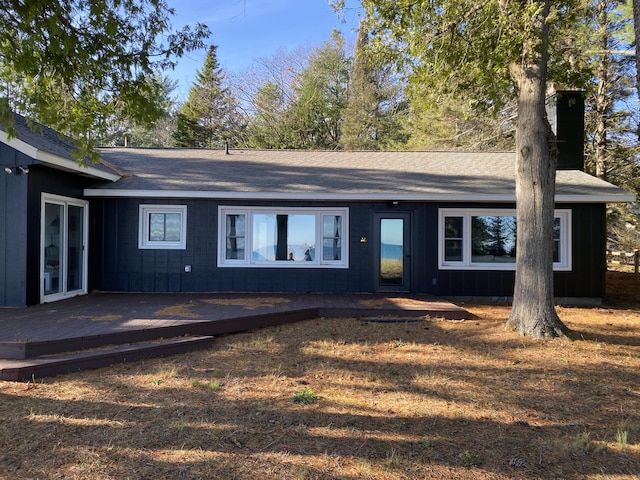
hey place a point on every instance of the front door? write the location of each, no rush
(63, 265)
(393, 252)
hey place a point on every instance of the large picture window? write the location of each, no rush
(486, 239)
(293, 237)
(162, 227)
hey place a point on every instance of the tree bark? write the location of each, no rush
(603, 101)
(533, 312)
(636, 30)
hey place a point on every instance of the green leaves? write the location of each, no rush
(72, 61)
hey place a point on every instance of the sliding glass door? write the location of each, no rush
(64, 247)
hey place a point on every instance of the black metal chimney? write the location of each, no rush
(565, 110)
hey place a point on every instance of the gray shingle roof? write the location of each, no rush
(310, 174)
(45, 139)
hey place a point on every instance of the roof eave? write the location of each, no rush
(56, 161)
(406, 197)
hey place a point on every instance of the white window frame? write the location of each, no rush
(248, 261)
(145, 212)
(564, 263)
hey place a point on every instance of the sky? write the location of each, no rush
(245, 30)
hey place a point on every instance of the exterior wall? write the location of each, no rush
(45, 180)
(586, 278)
(118, 265)
(20, 223)
(13, 229)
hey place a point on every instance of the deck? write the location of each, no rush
(62, 337)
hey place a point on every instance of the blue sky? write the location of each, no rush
(245, 30)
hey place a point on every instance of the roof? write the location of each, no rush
(47, 146)
(333, 175)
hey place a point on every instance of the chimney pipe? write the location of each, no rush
(565, 110)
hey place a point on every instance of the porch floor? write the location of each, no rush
(30, 336)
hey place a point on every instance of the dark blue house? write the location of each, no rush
(186, 220)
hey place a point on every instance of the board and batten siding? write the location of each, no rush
(13, 229)
(588, 266)
(45, 180)
(117, 264)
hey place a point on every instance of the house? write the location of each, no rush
(185, 220)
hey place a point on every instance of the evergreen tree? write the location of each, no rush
(488, 48)
(120, 129)
(79, 62)
(612, 150)
(209, 118)
(318, 109)
(375, 109)
(269, 127)
(456, 122)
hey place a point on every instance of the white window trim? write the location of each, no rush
(143, 241)
(466, 264)
(248, 262)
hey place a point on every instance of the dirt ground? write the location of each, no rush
(351, 398)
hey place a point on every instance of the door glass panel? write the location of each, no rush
(75, 229)
(53, 222)
(391, 251)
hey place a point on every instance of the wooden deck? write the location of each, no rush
(36, 341)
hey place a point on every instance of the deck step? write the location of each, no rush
(25, 349)
(47, 366)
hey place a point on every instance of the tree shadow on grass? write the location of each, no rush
(481, 407)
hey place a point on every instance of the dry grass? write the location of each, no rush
(421, 398)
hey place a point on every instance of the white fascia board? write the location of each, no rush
(75, 167)
(98, 192)
(19, 145)
(614, 198)
(406, 197)
(45, 157)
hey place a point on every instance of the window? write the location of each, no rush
(293, 237)
(486, 239)
(163, 227)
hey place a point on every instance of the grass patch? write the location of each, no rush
(212, 385)
(305, 397)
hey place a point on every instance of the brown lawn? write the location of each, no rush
(413, 399)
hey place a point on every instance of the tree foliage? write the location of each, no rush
(119, 129)
(376, 108)
(75, 62)
(611, 151)
(487, 48)
(209, 117)
(321, 97)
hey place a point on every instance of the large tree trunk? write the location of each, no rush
(603, 100)
(533, 312)
(636, 29)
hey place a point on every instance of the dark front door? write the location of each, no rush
(393, 252)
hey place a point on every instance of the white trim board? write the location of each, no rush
(56, 160)
(427, 197)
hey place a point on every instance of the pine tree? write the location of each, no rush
(80, 62)
(487, 48)
(359, 129)
(611, 149)
(376, 107)
(316, 115)
(209, 118)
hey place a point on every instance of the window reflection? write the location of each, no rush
(283, 237)
(164, 227)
